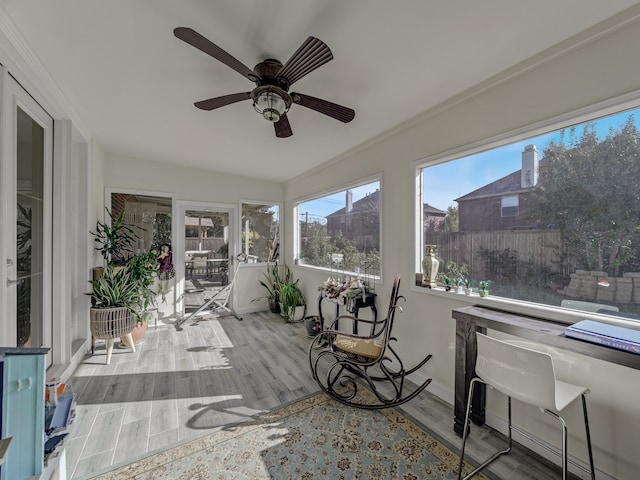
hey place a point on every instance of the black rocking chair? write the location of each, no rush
(341, 361)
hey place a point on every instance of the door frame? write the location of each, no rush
(13, 95)
(178, 259)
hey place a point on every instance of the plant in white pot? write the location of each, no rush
(293, 302)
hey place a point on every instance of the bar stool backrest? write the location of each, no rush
(523, 374)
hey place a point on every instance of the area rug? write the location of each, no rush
(313, 438)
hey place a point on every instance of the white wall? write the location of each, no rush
(598, 65)
(196, 185)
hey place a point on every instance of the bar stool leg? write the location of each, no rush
(588, 435)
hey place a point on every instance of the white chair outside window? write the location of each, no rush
(521, 371)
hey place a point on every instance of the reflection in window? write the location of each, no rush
(342, 230)
(548, 219)
(261, 232)
(149, 217)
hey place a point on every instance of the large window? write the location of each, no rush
(341, 231)
(553, 219)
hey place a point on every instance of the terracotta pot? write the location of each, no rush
(138, 333)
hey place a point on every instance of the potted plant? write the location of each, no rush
(272, 281)
(143, 271)
(114, 241)
(114, 297)
(292, 301)
(484, 286)
(468, 286)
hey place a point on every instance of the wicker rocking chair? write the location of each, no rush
(341, 362)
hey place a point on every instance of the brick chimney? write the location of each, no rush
(529, 172)
(349, 201)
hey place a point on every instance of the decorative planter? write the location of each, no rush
(274, 306)
(298, 314)
(138, 333)
(484, 293)
(110, 323)
(312, 325)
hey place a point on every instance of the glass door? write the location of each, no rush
(27, 201)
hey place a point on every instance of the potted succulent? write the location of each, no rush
(293, 304)
(484, 286)
(468, 286)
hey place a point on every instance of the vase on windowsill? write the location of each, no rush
(430, 267)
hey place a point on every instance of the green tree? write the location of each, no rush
(590, 191)
(451, 220)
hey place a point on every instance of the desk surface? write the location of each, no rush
(543, 331)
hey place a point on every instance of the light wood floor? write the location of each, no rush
(181, 384)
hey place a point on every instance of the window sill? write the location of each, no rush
(547, 312)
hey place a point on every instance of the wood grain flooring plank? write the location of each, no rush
(184, 383)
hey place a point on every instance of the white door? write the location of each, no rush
(26, 206)
(204, 254)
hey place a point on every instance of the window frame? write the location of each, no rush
(280, 206)
(552, 124)
(516, 206)
(377, 177)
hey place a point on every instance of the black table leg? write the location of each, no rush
(465, 367)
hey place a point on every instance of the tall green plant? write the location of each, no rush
(143, 268)
(114, 241)
(273, 280)
(291, 297)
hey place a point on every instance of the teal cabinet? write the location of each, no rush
(23, 373)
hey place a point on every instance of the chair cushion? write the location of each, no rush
(369, 348)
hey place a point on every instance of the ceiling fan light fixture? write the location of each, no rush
(271, 102)
(270, 105)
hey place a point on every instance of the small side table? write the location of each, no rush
(357, 302)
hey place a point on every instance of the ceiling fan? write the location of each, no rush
(271, 97)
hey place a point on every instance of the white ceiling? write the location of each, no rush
(133, 83)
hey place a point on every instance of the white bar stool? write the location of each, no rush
(521, 372)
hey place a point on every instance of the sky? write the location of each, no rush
(470, 172)
(320, 208)
(477, 170)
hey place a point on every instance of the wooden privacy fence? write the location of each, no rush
(210, 244)
(539, 247)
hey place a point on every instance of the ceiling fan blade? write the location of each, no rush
(283, 128)
(333, 110)
(217, 102)
(312, 54)
(194, 39)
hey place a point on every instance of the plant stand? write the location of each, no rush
(111, 323)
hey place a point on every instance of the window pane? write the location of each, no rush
(341, 231)
(261, 232)
(554, 219)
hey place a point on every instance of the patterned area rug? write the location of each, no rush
(310, 439)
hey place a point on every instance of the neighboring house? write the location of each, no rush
(502, 205)
(358, 221)
(433, 218)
